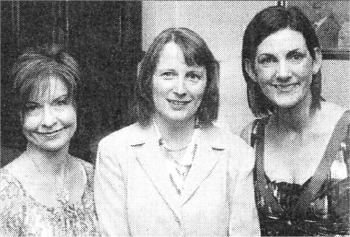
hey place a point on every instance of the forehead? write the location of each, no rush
(172, 56)
(282, 41)
(171, 53)
(50, 86)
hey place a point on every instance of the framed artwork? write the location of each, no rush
(331, 22)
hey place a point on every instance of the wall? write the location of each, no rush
(222, 24)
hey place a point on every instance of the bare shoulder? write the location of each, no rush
(329, 116)
(331, 109)
(18, 166)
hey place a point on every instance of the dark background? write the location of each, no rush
(104, 37)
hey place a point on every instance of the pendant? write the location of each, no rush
(63, 196)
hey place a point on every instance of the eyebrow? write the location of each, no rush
(296, 50)
(166, 69)
(36, 100)
(264, 55)
(64, 96)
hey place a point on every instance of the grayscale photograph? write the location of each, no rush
(175, 118)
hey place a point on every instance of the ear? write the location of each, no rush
(249, 68)
(317, 62)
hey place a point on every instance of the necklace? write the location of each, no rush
(63, 195)
(175, 150)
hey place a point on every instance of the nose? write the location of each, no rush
(180, 87)
(49, 118)
(283, 72)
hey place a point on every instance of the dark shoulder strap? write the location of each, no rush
(254, 134)
(338, 135)
(258, 130)
(258, 134)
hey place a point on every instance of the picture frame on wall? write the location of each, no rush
(331, 22)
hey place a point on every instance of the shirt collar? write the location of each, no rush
(162, 142)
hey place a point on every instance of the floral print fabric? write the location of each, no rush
(22, 215)
(327, 210)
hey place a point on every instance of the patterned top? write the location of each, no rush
(178, 171)
(320, 206)
(22, 215)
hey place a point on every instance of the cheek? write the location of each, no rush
(264, 74)
(156, 88)
(199, 90)
(30, 123)
(67, 117)
(70, 117)
(306, 70)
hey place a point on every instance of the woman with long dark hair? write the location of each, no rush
(301, 141)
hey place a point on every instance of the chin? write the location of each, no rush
(52, 146)
(287, 102)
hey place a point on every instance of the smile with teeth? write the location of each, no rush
(178, 102)
(50, 133)
(286, 87)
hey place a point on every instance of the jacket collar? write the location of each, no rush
(209, 135)
(147, 152)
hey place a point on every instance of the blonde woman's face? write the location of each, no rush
(49, 120)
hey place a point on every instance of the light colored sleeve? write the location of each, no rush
(244, 218)
(110, 192)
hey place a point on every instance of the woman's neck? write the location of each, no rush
(53, 162)
(177, 134)
(295, 119)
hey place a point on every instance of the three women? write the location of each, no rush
(301, 174)
(173, 172)
(46, 191)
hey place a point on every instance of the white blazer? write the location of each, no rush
(134, 195)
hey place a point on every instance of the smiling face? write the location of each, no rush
(283, 67)
(49, 118)
(178, 89)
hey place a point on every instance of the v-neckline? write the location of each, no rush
(307, 184)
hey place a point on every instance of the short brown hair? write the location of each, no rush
(36, 64)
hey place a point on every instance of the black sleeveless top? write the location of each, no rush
(320, 206)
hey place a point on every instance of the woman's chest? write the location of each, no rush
(291, 160)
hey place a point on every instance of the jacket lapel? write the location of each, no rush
(210, 148)
(149, 156)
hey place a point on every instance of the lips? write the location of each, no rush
(51, 133)
(178, 102)
(285, 87)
